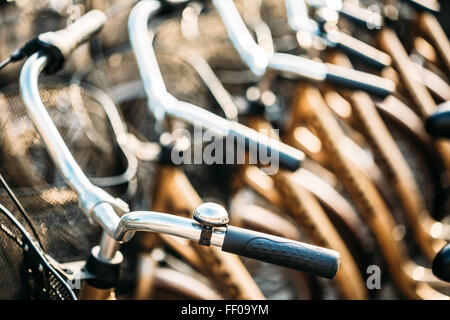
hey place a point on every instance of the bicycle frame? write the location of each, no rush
(431, 27)
(311, 107)
(389, 41)
(304, 208)
(329, 136)
(425, 229)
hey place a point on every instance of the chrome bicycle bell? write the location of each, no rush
(210, 215)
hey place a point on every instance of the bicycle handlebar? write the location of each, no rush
(162, 103)
(59, 45)
(102, 208)
(69, 38)
(250, 52)
(319, 71)
(441, 264)
(358, 48)
(96, 203)
(256, 245)
(298, 19)
(289, 158)
(359, 80)
(90, 196)
(352, 10)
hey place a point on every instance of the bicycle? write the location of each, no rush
(102, 208)
(326, 121)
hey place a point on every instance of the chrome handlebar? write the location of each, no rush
(90, 196)
(105, 210)
(162, 103)
(151, 221)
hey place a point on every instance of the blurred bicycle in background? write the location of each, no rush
(247, 149)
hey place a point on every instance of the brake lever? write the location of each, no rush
(58, 45)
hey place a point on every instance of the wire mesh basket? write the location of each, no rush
(63, 230)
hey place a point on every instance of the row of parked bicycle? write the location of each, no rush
(130, 126)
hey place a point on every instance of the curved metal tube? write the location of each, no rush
(304, 67)
(145, 56)
(151, 221)
(253, 55)
(161, 102)
(95, 202)
(58, 150)
(311, 69)
(90, 196)
(248, 49)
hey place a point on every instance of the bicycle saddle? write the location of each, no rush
(441, 264)
(438, 124)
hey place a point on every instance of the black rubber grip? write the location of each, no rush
(360, 80)
(283, 252)
(288, 157)
(438, 124)
(431, 6)
(67, 39)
